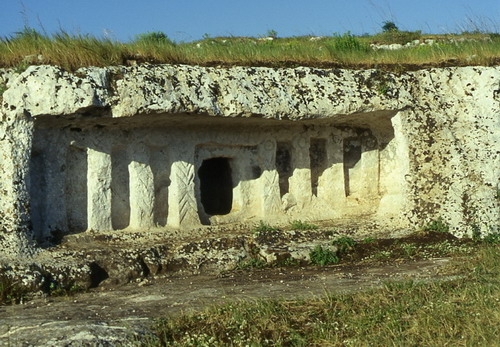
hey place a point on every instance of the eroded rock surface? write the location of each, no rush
(167, 149)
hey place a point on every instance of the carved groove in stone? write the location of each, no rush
(185, 179)
(271, 191)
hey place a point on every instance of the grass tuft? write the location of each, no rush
(493, 238)
(263, 227)
(438, 226)
(344, 244)
(300, 225)
(323, 256)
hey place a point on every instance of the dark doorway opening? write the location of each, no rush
(216, 186)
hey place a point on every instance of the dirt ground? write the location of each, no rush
(109, 317)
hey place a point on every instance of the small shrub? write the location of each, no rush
(344, 244)
(300, 225)
(272, 33)
(438, 226)
(380, 81)
(476, 233)
(155, 37)
(369, 239)
(492, 239)
(264, 227)
(323, 256)
(409, 249)
(383, 89)
(389, 26)
(252, 263)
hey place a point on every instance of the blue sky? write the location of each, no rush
(188, 20)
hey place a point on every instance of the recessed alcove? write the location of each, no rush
(318, 161)
(120, 188)
(284, 166)
(37, 185)
(352, 158)
(160, 168)
(162, 175)
(76, 189)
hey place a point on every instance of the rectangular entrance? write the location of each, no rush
(216, 186)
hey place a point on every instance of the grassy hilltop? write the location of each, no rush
(29, 47)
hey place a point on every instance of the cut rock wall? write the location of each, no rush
(166, 146)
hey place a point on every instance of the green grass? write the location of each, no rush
(458, 312)
(300, 225)
(344, 244)
(73, 51)
(326, 256)
(264, 227)
(437, 225)
(323, 256)
(493, 238)
(251, 263)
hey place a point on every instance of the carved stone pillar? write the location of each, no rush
(142, 195)
(182, 206)
(15, 148)
(269, 180)
(300, 181)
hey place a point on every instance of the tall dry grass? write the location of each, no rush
(73, 51)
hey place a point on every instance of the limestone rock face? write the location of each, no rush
(16, 132)
(301, 93)
(182, 146)
(46, 90)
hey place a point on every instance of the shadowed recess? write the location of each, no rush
(216, 186)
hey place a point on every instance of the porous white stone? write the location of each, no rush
(121, 147)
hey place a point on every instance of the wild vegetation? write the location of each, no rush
(462, 310)
(30, 46)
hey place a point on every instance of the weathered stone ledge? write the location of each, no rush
(107, 259)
